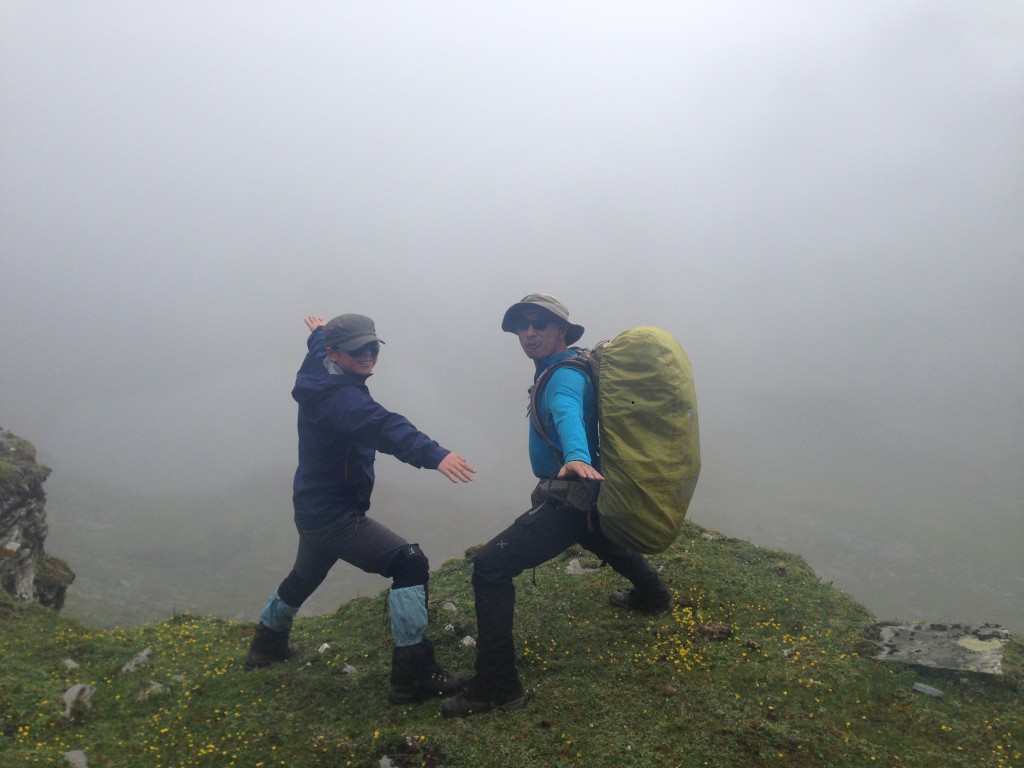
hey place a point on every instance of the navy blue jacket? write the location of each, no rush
(341, 428)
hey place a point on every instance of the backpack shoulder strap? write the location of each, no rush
(579, 362)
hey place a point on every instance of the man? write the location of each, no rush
(341, 427)
(564, 462)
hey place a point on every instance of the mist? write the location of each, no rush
(822, 202)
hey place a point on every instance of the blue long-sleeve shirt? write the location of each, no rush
(568, 408)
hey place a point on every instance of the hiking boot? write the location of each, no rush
(657, 602)
(268, 647)
(416, 675)
(474, 702)
(438, 683)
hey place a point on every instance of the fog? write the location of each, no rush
(822, 202)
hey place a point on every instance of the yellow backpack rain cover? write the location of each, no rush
(649, 438)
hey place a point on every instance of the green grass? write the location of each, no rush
(761, 664)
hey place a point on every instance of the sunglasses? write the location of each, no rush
(372, 347)
(540, 324)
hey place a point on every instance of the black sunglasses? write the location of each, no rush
(540, 324)
(372, 347)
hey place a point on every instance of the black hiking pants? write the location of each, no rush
(534, 538)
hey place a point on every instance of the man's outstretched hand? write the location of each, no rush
(580, 469)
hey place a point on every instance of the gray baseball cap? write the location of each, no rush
(350, 332)
(549, 304)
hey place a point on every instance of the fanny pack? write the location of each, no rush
(581, 495)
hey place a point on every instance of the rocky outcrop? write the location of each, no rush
(26, 571)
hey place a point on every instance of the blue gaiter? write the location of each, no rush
(278, 614)
(408, 606)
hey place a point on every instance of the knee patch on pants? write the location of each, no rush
(410, 567)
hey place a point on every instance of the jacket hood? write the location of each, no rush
(321, 378)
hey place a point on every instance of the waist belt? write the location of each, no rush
(581, 495)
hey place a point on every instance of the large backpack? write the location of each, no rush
(649, 441)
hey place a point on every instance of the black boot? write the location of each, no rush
(649, 594)
(475, 700)
(416, 675)
(655, 601)
(268, 647)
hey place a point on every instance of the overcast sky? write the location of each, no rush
(824, 202)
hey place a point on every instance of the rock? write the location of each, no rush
(575, 568)
(69, 664)
(26, 571)
(78, 699)
(137, 661)
(714, 632)
(966, 647)
(149, 689)
(76, 759)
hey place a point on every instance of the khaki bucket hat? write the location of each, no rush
(549, 304)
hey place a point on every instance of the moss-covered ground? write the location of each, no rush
(759, 664)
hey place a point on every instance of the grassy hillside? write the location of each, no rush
(761, 664)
